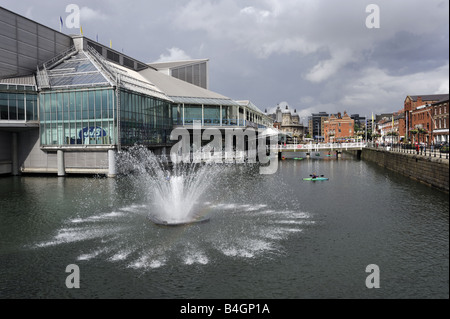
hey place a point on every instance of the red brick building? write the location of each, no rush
(338, 128)
(419, 120)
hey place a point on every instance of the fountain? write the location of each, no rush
(174, 190)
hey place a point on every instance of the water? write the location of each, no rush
(269, 236)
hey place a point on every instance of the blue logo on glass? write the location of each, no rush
(92, 132)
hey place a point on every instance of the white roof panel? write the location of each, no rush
(178, 89)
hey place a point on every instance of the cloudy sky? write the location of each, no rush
(317, 55)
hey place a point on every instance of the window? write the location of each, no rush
(112, 56)
(128, 62)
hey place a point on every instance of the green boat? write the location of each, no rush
(315, 179)
(298, 158)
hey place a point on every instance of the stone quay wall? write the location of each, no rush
(431, 171)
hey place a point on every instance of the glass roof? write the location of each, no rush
(76, 71)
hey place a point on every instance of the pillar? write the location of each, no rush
(112, 168)
(14, 155)
(61, 165)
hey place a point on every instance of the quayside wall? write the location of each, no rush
(431, 171)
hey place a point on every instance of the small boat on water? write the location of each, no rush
(315, 179)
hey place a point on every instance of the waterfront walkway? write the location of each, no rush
(406, 149)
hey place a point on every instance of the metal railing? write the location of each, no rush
(62, 56)
(423, 150)
(43, 80)
(101, 64)
(322, 146)
(211, 122)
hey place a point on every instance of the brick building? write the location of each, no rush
(418, 116)
(339, 128)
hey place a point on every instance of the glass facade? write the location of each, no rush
(82, 108)
(144, 119)
(208, 115)
(18, 103)
(78, 117)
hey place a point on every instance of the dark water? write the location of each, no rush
(270, 236)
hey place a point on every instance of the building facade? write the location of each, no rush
(440, 122)
(290, 123)
(339, 128)
(191, 71)
(316, 125)
(391, 128)
(69, 104)
(419, 120)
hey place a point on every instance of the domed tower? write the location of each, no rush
(295, 118)
(287, 117)
(279, 114)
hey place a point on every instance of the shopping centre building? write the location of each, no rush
(68, 104)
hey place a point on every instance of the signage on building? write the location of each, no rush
(92, 132)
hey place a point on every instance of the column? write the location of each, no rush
(203, 115)
(112, 168)
(183, 114)
(61, 166)
(14, 155)
(238, 109)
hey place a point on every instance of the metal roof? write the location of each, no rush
(250, 105)
(132, 80)
(183, 92)
(22, 80)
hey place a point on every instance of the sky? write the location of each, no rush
(316, 55)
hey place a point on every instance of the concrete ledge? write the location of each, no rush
(39, 170)
(87, 171)
(80, 148)
(93, 171)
